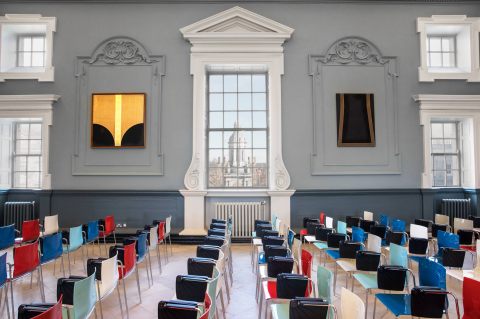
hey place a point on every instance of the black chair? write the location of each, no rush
(191, 288)
(309, 308)
(392, 278)
(367, 260)
(454, 258)
(334, 240)
(437, 227)
(467, 237)
(379, 230)
(307, 220)
(199, 266)
(208, 251)
(218, 221)
(277, 265)
(290, 286)
(216, 232)
(214, 241)
(260, 228)
(349, 250)
(424, 222)
(398, 238)
(268, 232)
(178, 309)
(311, 227)
(367, 224)
(418, 246)
(430, 302)
(273, 240)
(353, 221)
(275, 250)
(321, 233)
(476, 221)
(218, 226)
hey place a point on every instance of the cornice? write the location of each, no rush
(447, 102)
(243, 1)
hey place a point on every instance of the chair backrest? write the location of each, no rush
(442, 219)
(328, 222)
(207, 251)
(325, 283)
(141, 246)
(273, 240)
(275, 250)
(460, 223)
(437, 227)
(334, 239)
(307, 263)
(428, 302)
(391, 278)
(309, 308)
(84, 297)
(423, 222)
(322, 233)
(168, 225)
(129, 260)
(454, 258)
(366, 224)
(277, 265)
(352, 307)
(54, 312)
(25, 259)
(290, 238)
(374, 243)
(349, 249)
(398, 256)
(161, 230)
(341, 227)
(432, 274)
(471, 302)
(109, 276)
(358, 235)
(447, 240)
(322, 217)
(75, 238)
(384, 220)
(466, 236)
(153, 237)
(398, 225)
(353, 221)
(379, 230)
(367, 215)
(109, 224)
(7, 236)
(212, 291)
(396, 237)
(30, 230)
(3, 269)
(92, 230)
(290, 286)
(367, 260)
(51, 247)
(418, 246)
(418, 231)
(50, 225)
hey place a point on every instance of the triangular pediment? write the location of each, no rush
(237, 21)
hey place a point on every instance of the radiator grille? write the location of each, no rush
(243, 215)
(456, 208)
(17, 212)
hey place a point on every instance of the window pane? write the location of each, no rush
(22, 131)
(230, 119)
(435, 44)
(448, 60)
(35, 146)
(450, 146)
(216, 102)
(24, 59)
(20, 163)
(451, 162)
(21, 147)
(215, 140)
(259, 119)
(20, 179)
(38, 44)
(245, 139)
(244, 83)
(216, 120)
(259, 101)
(258, 83)
(230, 101)
(450, 130)
(245, 119)
(259, 139)
(37, 59)
(246, 157)
(216, 83)
(260, 156)
(230, 83)
(215, 177)
(229, 139)
(259, 177)
(245, 101)
(215, 158)
(33, 163)
(437, 146)
(33, 180)
(439, 162)
(448, 44)
(437, 130)
(435, 59)
(26, 44)
(439, 178)
(35, 131)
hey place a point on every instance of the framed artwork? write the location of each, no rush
(118, 120)
(355, 120)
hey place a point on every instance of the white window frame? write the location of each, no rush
(15, 22)
(38, 107)
(27, 155)
(20, 37)
(466, 31)
(458, 153)
(464, 109)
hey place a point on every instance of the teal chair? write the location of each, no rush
(341, 227)
(84, 299)
(398, 257)
(212, 292)
(73, 241)
(325, 284)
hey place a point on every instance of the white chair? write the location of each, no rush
(442, 219)
(367, 215)
(418, 231)
(168, 229)
(219, 293)
(278, 222)
(109, 276)
(460, 223)
(374, 243)
(153, 245)
(351, 305)
(50, 225)
(328, 222)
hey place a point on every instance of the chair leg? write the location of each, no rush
(227, 289)
(69, 267)
(170, 241)
(260, 306)
(83, 258)
(105, 245)
(138, 284)
(63, 265)
(6, 302)
(150, 265)
(374, 306)
(125, 296)
(11, 299)
(159, 260)
(40, 282)
(119, 300)
(100, 300)
(367, 291)
(223, 304)
(335, 279)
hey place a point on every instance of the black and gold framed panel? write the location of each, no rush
(355, 120)
(118, 120)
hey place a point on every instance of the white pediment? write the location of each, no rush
(236, 25)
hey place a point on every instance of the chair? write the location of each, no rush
(467, 238)
(143, 254)
(358, 235)
(54, 311)
(366, 224)
(3, 283)
(454, 258)
(30, 231)
(304, 308)
(127, 261)
(398, 225)
(154, 246)
(51, 248)
(162, 238)
(418, 231)
(398, 238)
(380, 231)
(432, 274)
(168, 229)
(275, 266)
(107, 228)
(328, 222)
(353, 221)
(417, 248)
(91, 234)
(341, 227)
(7, 236)
(384, 220)
(207, 307)
(325, 284)
(471, 302)
(333, 243)
(442, 219)
(374, 243)
(50, 225)
(367, 215)
(26, 260)
(447, 240)
(212, 293)
(178, 309)
(461, 223)
(422, 222)
(73, 241)
(476, 221)
(346, 260)
(351, 305)
(84, 297)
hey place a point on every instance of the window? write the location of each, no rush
(237, 130)
(31, 51)
(442, 51)
(27, 156)
(445, 150)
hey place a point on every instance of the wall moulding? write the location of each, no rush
(126, 59)
(342, 69)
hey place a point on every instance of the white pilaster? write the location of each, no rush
(194, 212)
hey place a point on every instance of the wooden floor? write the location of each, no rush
(242, 304)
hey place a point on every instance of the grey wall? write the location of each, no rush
(391, 27)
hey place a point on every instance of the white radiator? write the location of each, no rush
(243, 215)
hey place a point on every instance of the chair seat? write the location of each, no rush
(469, 247)
(334, 254)
(263, 271)
(280, 311)
(398, 304)
(321, 245)
(368, 281)
(347, 265)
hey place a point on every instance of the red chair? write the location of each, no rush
(127, 267)
(30, 230)
(306, 265)
(471, 302)
(208, 304)
(55, 312)
(26, 259)
(161, 237)
(322, 218)
(107, 228)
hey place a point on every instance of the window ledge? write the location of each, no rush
(41, 74)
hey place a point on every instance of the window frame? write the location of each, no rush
(442, 52)
(28, 155)
(208, 129)
(22, 36)
(458, 153)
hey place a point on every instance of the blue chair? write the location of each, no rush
(7, 236)
(51, 249)
(398, 225)
(432, 274)
(91, 234)
(290, 238)
(143, 255)
(384, 220)
(358, 235)
(3, 281)
(447, 240)
(73, 241)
